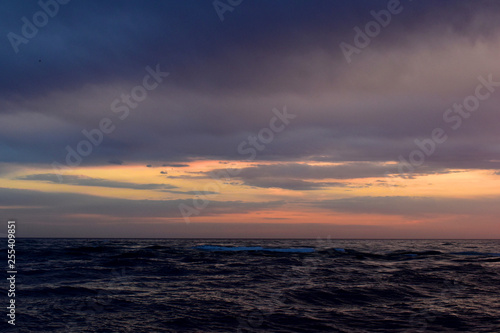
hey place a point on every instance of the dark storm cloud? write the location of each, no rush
(94, 41)
(89, 181)
(227, 76)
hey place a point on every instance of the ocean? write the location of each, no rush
(227, 285)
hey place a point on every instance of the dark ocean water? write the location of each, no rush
(130, 285)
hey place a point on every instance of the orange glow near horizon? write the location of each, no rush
(455, 184)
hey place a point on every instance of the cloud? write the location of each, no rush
(197, 193)
(291, 184)
(56, 204)
(307, 171)
(225, 80)
(140, 32)
(116, 162)
(175, 165)
(412, 207)
(89, 181)
(301, 176)
(370, 111)
(6, 168)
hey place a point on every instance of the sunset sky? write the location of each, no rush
(276, 119)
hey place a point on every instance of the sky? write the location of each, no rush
(250, 119)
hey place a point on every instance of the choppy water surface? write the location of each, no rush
(68, 285)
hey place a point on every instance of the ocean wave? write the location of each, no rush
(252, 248)
(258, 286)
(68, 291)
(474, 253)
